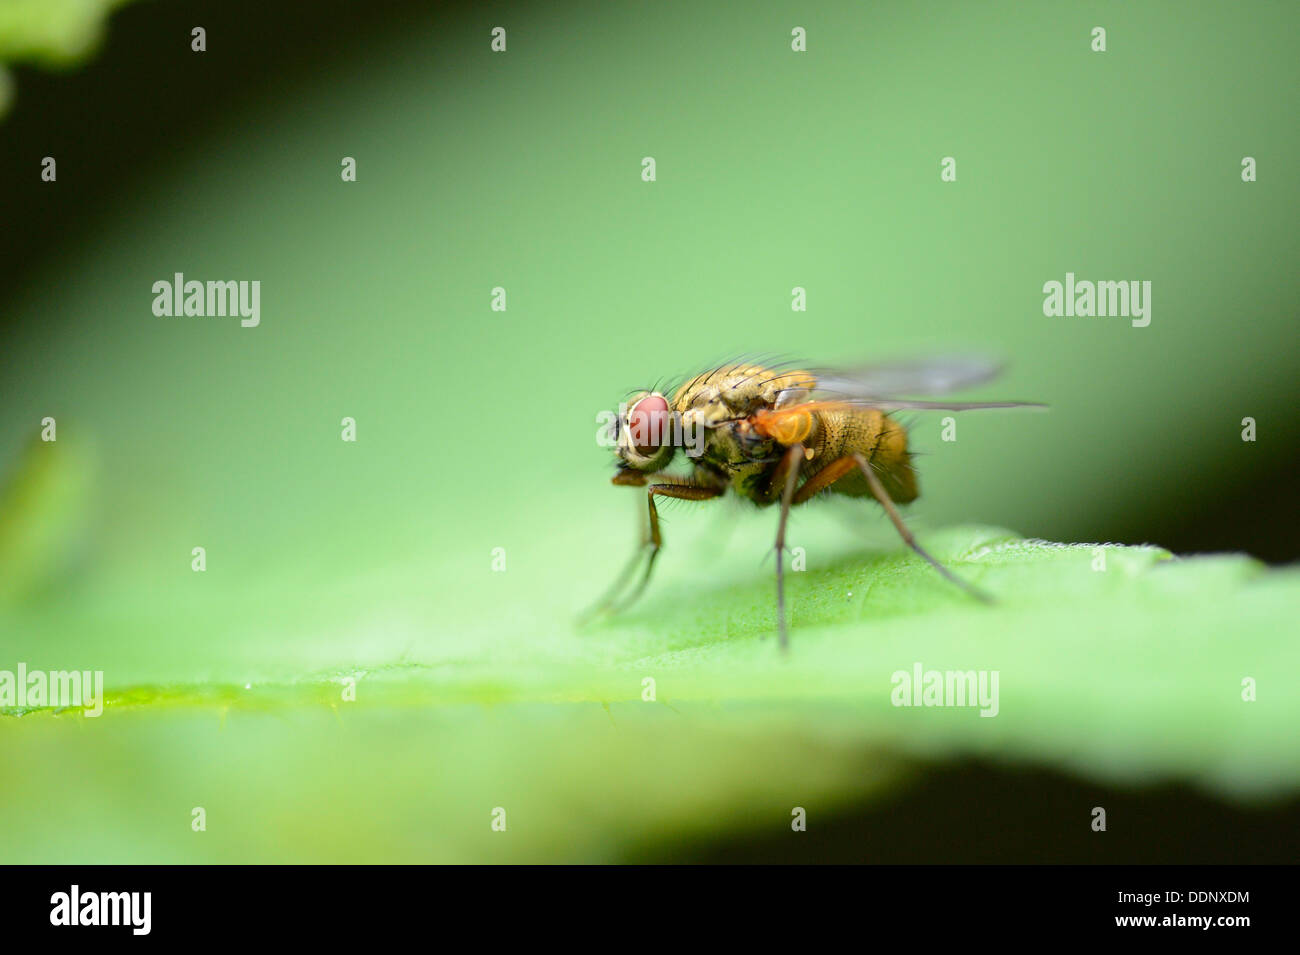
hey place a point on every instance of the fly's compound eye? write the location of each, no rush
(648, 422)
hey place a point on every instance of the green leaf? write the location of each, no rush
(49, 33)
(52, 32)
(1117, 663)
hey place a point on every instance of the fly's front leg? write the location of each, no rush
(652, 540)
(624, 478)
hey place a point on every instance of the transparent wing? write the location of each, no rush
(939, 375)
(904, 404)
(891, 386)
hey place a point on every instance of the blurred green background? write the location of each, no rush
(476, 428)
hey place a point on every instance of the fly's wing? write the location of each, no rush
(940, 375)
(890, 386)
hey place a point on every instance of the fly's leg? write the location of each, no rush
(824, 478)
(627, 478)
(790, 463)
(882, 496)
(684, 492)
(607, 602)
(650, 546)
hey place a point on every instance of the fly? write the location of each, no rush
(775, 435)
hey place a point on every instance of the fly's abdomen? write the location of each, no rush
(874, 435)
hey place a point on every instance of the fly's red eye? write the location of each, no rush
(648, 424)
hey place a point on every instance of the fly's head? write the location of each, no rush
(644, 433)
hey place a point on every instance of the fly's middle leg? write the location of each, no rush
(787, 474)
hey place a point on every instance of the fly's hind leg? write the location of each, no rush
(881, 495)
(650, 546)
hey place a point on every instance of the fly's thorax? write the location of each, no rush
(752, 443)
(737, 391)
(741, 456)
(724, 446)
